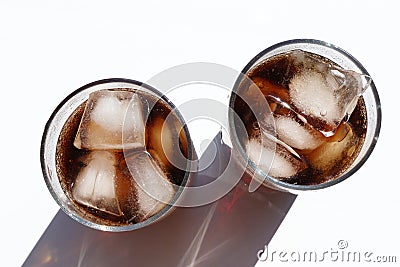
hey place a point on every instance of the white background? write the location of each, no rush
(50, 48)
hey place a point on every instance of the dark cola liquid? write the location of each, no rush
(69, 163)
(272, 77)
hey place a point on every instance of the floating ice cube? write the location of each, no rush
(323, 91)
(310, 93)
(113, 119)
(278, 162)
(340, 147)
(163, 141)
(296, 135)
(95, 183)
(153, 189)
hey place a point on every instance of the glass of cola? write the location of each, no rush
(306, 116)
(116, 155)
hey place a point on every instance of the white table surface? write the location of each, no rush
(50, 48)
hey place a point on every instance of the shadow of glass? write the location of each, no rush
(228, 232)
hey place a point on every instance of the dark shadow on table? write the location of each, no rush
(228, 232)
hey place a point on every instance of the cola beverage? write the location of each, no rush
(120, 155)
(314, 122)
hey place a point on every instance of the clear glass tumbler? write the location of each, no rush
(49, 156)
(344, 60)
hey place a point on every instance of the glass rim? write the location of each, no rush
(81, 219)
(277, 182)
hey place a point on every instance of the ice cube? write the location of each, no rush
(276, 160)
(339, 149)
(314, 97)
(323, 91)
(95, 183)
(125, 188)
(113, 119)
(153, 189)
(163, 140)
(297, 135)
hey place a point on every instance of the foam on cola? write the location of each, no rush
(112, 156)
(319, 116)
